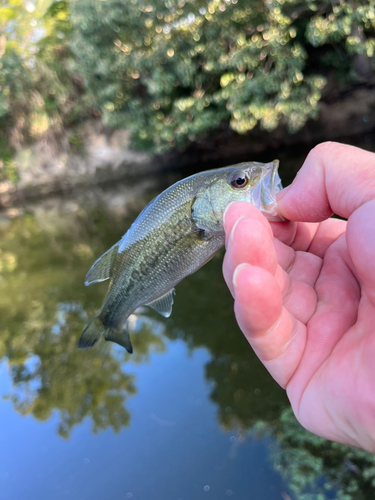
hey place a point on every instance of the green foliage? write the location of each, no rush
(7, 165)
(18, 96)
(38, 91)
(172, 70)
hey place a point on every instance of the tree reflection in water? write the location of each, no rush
(43, 307)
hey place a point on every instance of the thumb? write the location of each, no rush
(335, 178)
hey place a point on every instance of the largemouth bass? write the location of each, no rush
(176, 234)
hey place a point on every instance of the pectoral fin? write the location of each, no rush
(101, 269)
(163, 305)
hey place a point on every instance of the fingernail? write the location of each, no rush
(236, 273)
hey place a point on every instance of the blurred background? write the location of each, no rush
(103, 104)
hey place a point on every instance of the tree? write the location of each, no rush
(39, 93)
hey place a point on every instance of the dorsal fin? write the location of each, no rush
(101, 269)
(163, 305)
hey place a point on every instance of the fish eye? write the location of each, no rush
(239, 180)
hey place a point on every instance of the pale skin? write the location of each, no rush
(305, 291)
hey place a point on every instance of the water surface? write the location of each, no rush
(192, 414)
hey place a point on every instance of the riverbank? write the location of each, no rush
(50, 167)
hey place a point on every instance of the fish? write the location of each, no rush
(176, 233)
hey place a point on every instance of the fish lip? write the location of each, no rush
(274, 173)
(268, 193)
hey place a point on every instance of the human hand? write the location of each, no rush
(305, 291)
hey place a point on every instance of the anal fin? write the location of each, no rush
(163, 305)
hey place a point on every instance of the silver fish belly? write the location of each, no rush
(176, 234)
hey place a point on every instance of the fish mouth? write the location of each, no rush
(264, 192)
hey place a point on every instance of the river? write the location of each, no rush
(191, 415)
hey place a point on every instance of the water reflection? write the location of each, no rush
(315, 468)
(239, 385)
(44, 307)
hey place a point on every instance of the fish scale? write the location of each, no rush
(177, 233)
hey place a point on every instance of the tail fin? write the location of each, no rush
(95, 328)
(91, 334)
